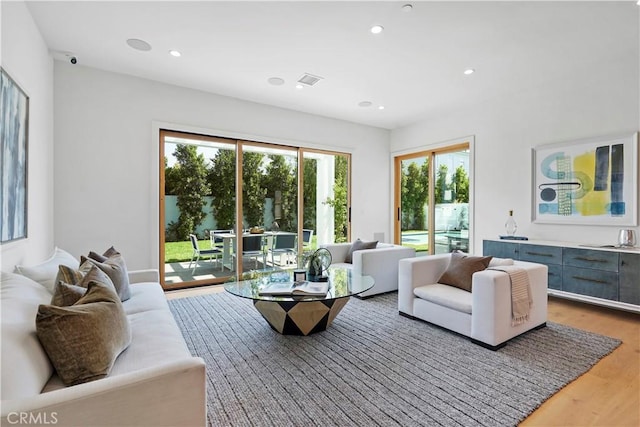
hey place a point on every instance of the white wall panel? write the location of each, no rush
(106, 149)
(26, 58)
(602, 100)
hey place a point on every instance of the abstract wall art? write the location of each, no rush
(591, 182)
(14, 124)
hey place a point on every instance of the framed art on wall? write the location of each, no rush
(14, 125)
(591, 182)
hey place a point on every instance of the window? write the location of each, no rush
(282, 201)
(432, 200)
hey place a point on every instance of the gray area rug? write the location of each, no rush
(374, 367)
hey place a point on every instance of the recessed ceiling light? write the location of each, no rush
(407, 7)
(276, 81)
(469, 71)
(139, 44)
(380, 107)
(377, 29)
(365, 104)
(299, 86)
(175, 53)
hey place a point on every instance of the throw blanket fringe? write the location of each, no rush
(521, 299)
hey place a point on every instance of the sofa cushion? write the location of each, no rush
(144, 297)
(359, 245)
(45, 272)
(155, 337)
(25, 367)
(116, 269)
(447, 296)
(84, 340)
(342, 265)
(460, 271)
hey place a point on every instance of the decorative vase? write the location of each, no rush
(510, 226)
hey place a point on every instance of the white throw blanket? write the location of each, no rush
(521, 299)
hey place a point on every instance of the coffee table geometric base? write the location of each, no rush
(300, 317)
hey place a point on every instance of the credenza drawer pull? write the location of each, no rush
(588, 279)
(579, 258)
(538, 254)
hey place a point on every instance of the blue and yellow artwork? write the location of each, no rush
(587, 182)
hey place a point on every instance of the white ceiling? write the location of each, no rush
(414, 68)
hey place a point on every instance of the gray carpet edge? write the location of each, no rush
(399, 371)
(617, 343)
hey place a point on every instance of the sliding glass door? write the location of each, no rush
(231, 209)
(326, 197)
(432, 200)
(197, 208)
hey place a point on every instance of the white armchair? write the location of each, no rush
(484, 314)
(380, 263)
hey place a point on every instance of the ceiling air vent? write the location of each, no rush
(309, 79)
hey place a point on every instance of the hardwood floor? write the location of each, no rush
(607, 395)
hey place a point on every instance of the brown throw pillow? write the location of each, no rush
(357, 246)
(84, 340)
(65, 294)
(461, 269)
(106, 255)
(69, 275)
(116, 269)
(81, 277)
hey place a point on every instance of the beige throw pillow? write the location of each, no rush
(84, 340)
(461, 269)
(359, 245)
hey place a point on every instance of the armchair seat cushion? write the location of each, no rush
(447, 296)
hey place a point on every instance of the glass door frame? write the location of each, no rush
(239, 145)
(430, 155)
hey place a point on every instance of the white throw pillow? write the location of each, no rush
(45, 273)
(500, 262)
(25, 367)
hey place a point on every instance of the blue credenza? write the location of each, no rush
(604, 276)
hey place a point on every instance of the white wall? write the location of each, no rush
(106, 150)
(601, 100)
(26, 59)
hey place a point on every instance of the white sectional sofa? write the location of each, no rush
(380, 263)
(154, 382)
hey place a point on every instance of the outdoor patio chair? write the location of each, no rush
(282, 244)
(307, 234)
(252, 248)
(197, 253)
(216, 240)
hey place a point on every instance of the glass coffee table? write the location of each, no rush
(302, 315)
